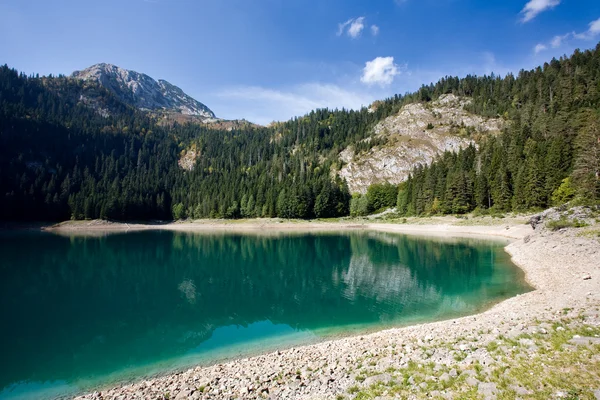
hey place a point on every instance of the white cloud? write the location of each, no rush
(342, 27)
(356, 27)
(592, 32)
(374, 30)
(595, 27)
(353, 27)
(534, 7)
(539, 48)
(381, 71)
(558, 40)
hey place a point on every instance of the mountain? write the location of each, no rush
(143, 92)
(486, 143)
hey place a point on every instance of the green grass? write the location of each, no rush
(564, 222)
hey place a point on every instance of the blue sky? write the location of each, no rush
(267, 60)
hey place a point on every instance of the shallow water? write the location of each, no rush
(82, 312)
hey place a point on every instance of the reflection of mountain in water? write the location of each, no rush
(125, 300)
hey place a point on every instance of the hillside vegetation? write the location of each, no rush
(61, 159)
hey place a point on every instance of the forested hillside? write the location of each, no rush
(61, 158)
(549, 154)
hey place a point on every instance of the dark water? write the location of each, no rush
(82, 312)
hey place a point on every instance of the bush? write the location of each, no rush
(564, 222)
(178, 211)
(479, 212)
(359, 205)
(381, 196)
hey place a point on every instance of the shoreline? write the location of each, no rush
(562, 267)
(445, 227)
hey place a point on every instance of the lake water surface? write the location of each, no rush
(78, 312)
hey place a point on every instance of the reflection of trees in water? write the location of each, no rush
(413, 273)
(152, 295)
(448, 265)
(389, 283)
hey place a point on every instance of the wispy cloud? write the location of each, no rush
(353, 27)
(591, 33)
(535, 7)
(594, 27)
(381, 71)
(539, 48)
(374, 30)
(557, 41)
(263, 105)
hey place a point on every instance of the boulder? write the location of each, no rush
(384, 378)
(584, 340)
(488, 390)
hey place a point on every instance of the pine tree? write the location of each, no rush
(586, 174)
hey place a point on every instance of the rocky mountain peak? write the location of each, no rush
(143, 92)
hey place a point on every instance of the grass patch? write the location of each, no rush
(558, 369)
(564, 222)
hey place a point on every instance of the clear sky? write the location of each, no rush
(267, 60)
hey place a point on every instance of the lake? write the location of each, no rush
(82, 312)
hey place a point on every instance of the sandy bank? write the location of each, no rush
(511, 228)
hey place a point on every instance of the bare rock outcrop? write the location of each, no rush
(569, 216)
(417, 134)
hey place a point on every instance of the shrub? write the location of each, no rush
(359, 205)
(381, 196)
(178, 211)
(479, 211)
(563, 222)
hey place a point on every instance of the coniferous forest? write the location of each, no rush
(62, 159)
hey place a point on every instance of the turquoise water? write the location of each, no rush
(79, 312)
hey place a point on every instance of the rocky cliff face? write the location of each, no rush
(143, 92)
(415, 135)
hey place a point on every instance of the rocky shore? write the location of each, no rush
(542, 344)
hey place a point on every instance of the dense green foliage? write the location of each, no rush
(549, 153)
(70, 149)
(61, 159)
